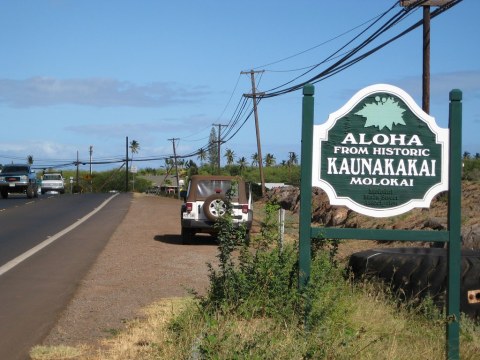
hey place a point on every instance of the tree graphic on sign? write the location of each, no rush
(384, 112)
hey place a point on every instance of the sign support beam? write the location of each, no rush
(306, 186)
(454, 225)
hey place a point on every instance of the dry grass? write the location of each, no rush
(146, 338)
(57, 352)
(378, 329)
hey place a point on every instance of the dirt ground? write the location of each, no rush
(144, 261)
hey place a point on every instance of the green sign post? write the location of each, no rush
(381, 155)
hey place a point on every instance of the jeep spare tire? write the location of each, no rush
(214, 207)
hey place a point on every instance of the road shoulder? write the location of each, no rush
(144, 261)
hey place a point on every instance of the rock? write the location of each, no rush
(471, 237)
(436, 223)
(434, 218)
(339, 216)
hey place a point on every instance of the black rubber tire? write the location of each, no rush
(187, 235)
(4, 194)
(214, 207)
(30, 192)
(420, 272)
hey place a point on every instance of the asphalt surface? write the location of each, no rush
(35, 292)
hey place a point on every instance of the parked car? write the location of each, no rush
(18, 178)
(205, 202)
(53, 182)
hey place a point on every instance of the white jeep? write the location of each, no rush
(205, 202)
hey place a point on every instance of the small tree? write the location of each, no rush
(292, 158)
(202, 155)
(269, 160)
(254, 159)
(230, 156)
(212, 148)
(242, 163)
(134, 147)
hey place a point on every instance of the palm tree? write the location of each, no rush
(30, 159)
(292, 158)
(202, 155)
(242, 162)
(168, 163)
(254, 159)
(134, 147)
(466, 155)
(230, 156)
(477, 156)
(269, 160)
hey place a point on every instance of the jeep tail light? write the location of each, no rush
(245, 208)
(189, 207)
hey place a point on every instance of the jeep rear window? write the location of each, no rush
(15, 169)
(209, 187)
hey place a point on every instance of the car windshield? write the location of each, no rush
(52, 177)
(13, 169)
(209, 187)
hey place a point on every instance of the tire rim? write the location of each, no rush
(217, 208)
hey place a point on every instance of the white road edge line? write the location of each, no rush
(12, 263)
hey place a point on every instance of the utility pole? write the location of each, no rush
(176, 167)
(426, 46)
(91, 153)
(91, 182)
(126, 163)
(219, 141)
(253, 95)
(426, 60)
(78, 163)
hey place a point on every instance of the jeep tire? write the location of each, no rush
(187, 235)
(214, 207)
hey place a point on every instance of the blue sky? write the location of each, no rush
(75, 74)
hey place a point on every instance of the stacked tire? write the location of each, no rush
(416, 273)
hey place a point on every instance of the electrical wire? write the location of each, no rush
(243, 113)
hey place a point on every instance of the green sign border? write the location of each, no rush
(422, 200)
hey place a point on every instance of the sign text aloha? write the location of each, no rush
(380, 154)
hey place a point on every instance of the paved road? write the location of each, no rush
(34, 292)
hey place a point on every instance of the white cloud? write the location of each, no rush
(40, 150)
(179, 126)
(98, 92)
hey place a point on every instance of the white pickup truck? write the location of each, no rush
(53, 182)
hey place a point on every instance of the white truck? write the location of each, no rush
(53, 182)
